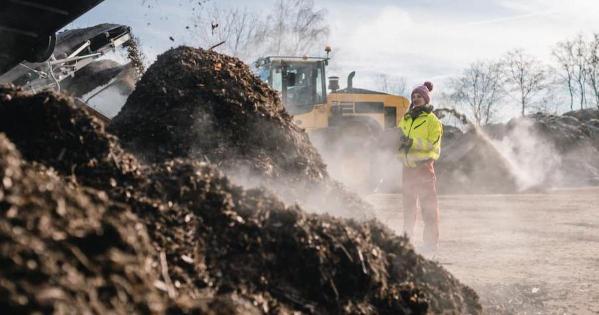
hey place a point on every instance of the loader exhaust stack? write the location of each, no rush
(350, 80)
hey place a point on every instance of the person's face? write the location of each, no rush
(418, 100)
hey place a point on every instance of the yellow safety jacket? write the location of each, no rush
(426, 130)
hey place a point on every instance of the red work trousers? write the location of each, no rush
(419, 187)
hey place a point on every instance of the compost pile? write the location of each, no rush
(470, 163)
(86, 227)
(531, 153)
(573, 137)
(202, 105)
(69, 249)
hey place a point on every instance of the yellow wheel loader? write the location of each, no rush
(354, 129)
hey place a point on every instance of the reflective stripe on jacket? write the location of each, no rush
(426, 131)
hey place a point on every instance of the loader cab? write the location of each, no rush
(300, 80)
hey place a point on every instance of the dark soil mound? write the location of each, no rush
(51, 129)
(69, 250)
(470, 163)
(216, 248)
(531, 153)
(201, 104)
(571, 139)
(295, 261)
(565, 132)
(584, 115)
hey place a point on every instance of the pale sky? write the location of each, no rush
(420, 40)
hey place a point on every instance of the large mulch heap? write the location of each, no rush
(86, 227)
(531, 153)
(565, 132)
(570, 141)
(69, 249)
(202, 105)
(470, 163)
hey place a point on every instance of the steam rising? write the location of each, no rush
(530, 156)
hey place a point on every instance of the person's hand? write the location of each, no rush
(405, 143)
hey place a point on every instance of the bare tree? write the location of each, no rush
(552, 97)
(295, 27)
(593, 67)
(236, 28)
(564, 53)
(527, 76)
(479, 89)
(572, 56)
(392, 85)
(580, 66)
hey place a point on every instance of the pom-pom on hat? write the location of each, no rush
(424, 90)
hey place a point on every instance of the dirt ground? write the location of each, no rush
(523, 254)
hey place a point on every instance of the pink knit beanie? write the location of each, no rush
(424, 91)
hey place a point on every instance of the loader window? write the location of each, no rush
(369, 107)
(277, 80)
(301, 85)
(320, 85)
(301, 91)
(390, 117)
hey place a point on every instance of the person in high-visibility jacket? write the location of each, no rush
(419, 148)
